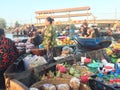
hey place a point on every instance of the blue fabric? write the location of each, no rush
(41, 46)
(94, 42)
(71, 31)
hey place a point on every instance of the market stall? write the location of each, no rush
(87, 69)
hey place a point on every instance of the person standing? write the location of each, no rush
(49, 37)
(85, 28)
(67, 30)
(17, 31)
(8, 54)
(32, 29)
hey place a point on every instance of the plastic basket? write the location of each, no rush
(57, 81)
(97, 55)
(93, 67)
(97, 85)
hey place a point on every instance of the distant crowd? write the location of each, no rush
(23, 30)
(86, 31)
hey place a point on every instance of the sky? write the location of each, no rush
(23, 11)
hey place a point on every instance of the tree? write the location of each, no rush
(72, 26)
(17, 24)
(60, 27)
(105, 25)
(2, 23)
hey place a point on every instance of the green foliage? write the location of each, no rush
(2, 23)
(72, 26)
(17, 24)
(61, 27)
(105, 25)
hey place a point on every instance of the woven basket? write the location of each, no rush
(66, 76)
(83, 70)
(54, 81)
(57, 81)
(39, 52)
(84, 87)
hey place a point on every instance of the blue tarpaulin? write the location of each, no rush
(94, 43)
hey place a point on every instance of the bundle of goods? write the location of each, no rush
(60, 84)
(29, 46)
(100, 66)
(64, 52)
(64, 40)
(68, 71)
(110, 79)
(29, 77)
(114, 52)
(93, 59)
(19, 44)
(61, 51)
(108, 74)
(32, 61)
(26, 46)
(67, 50)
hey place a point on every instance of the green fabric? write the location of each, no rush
(50, 37)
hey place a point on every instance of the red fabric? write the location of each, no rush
(8, 52)
(108, 67)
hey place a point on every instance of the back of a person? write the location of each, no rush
(7, 46)
(37, 40)
(85, 30)
(8, 54)
(96, 33)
